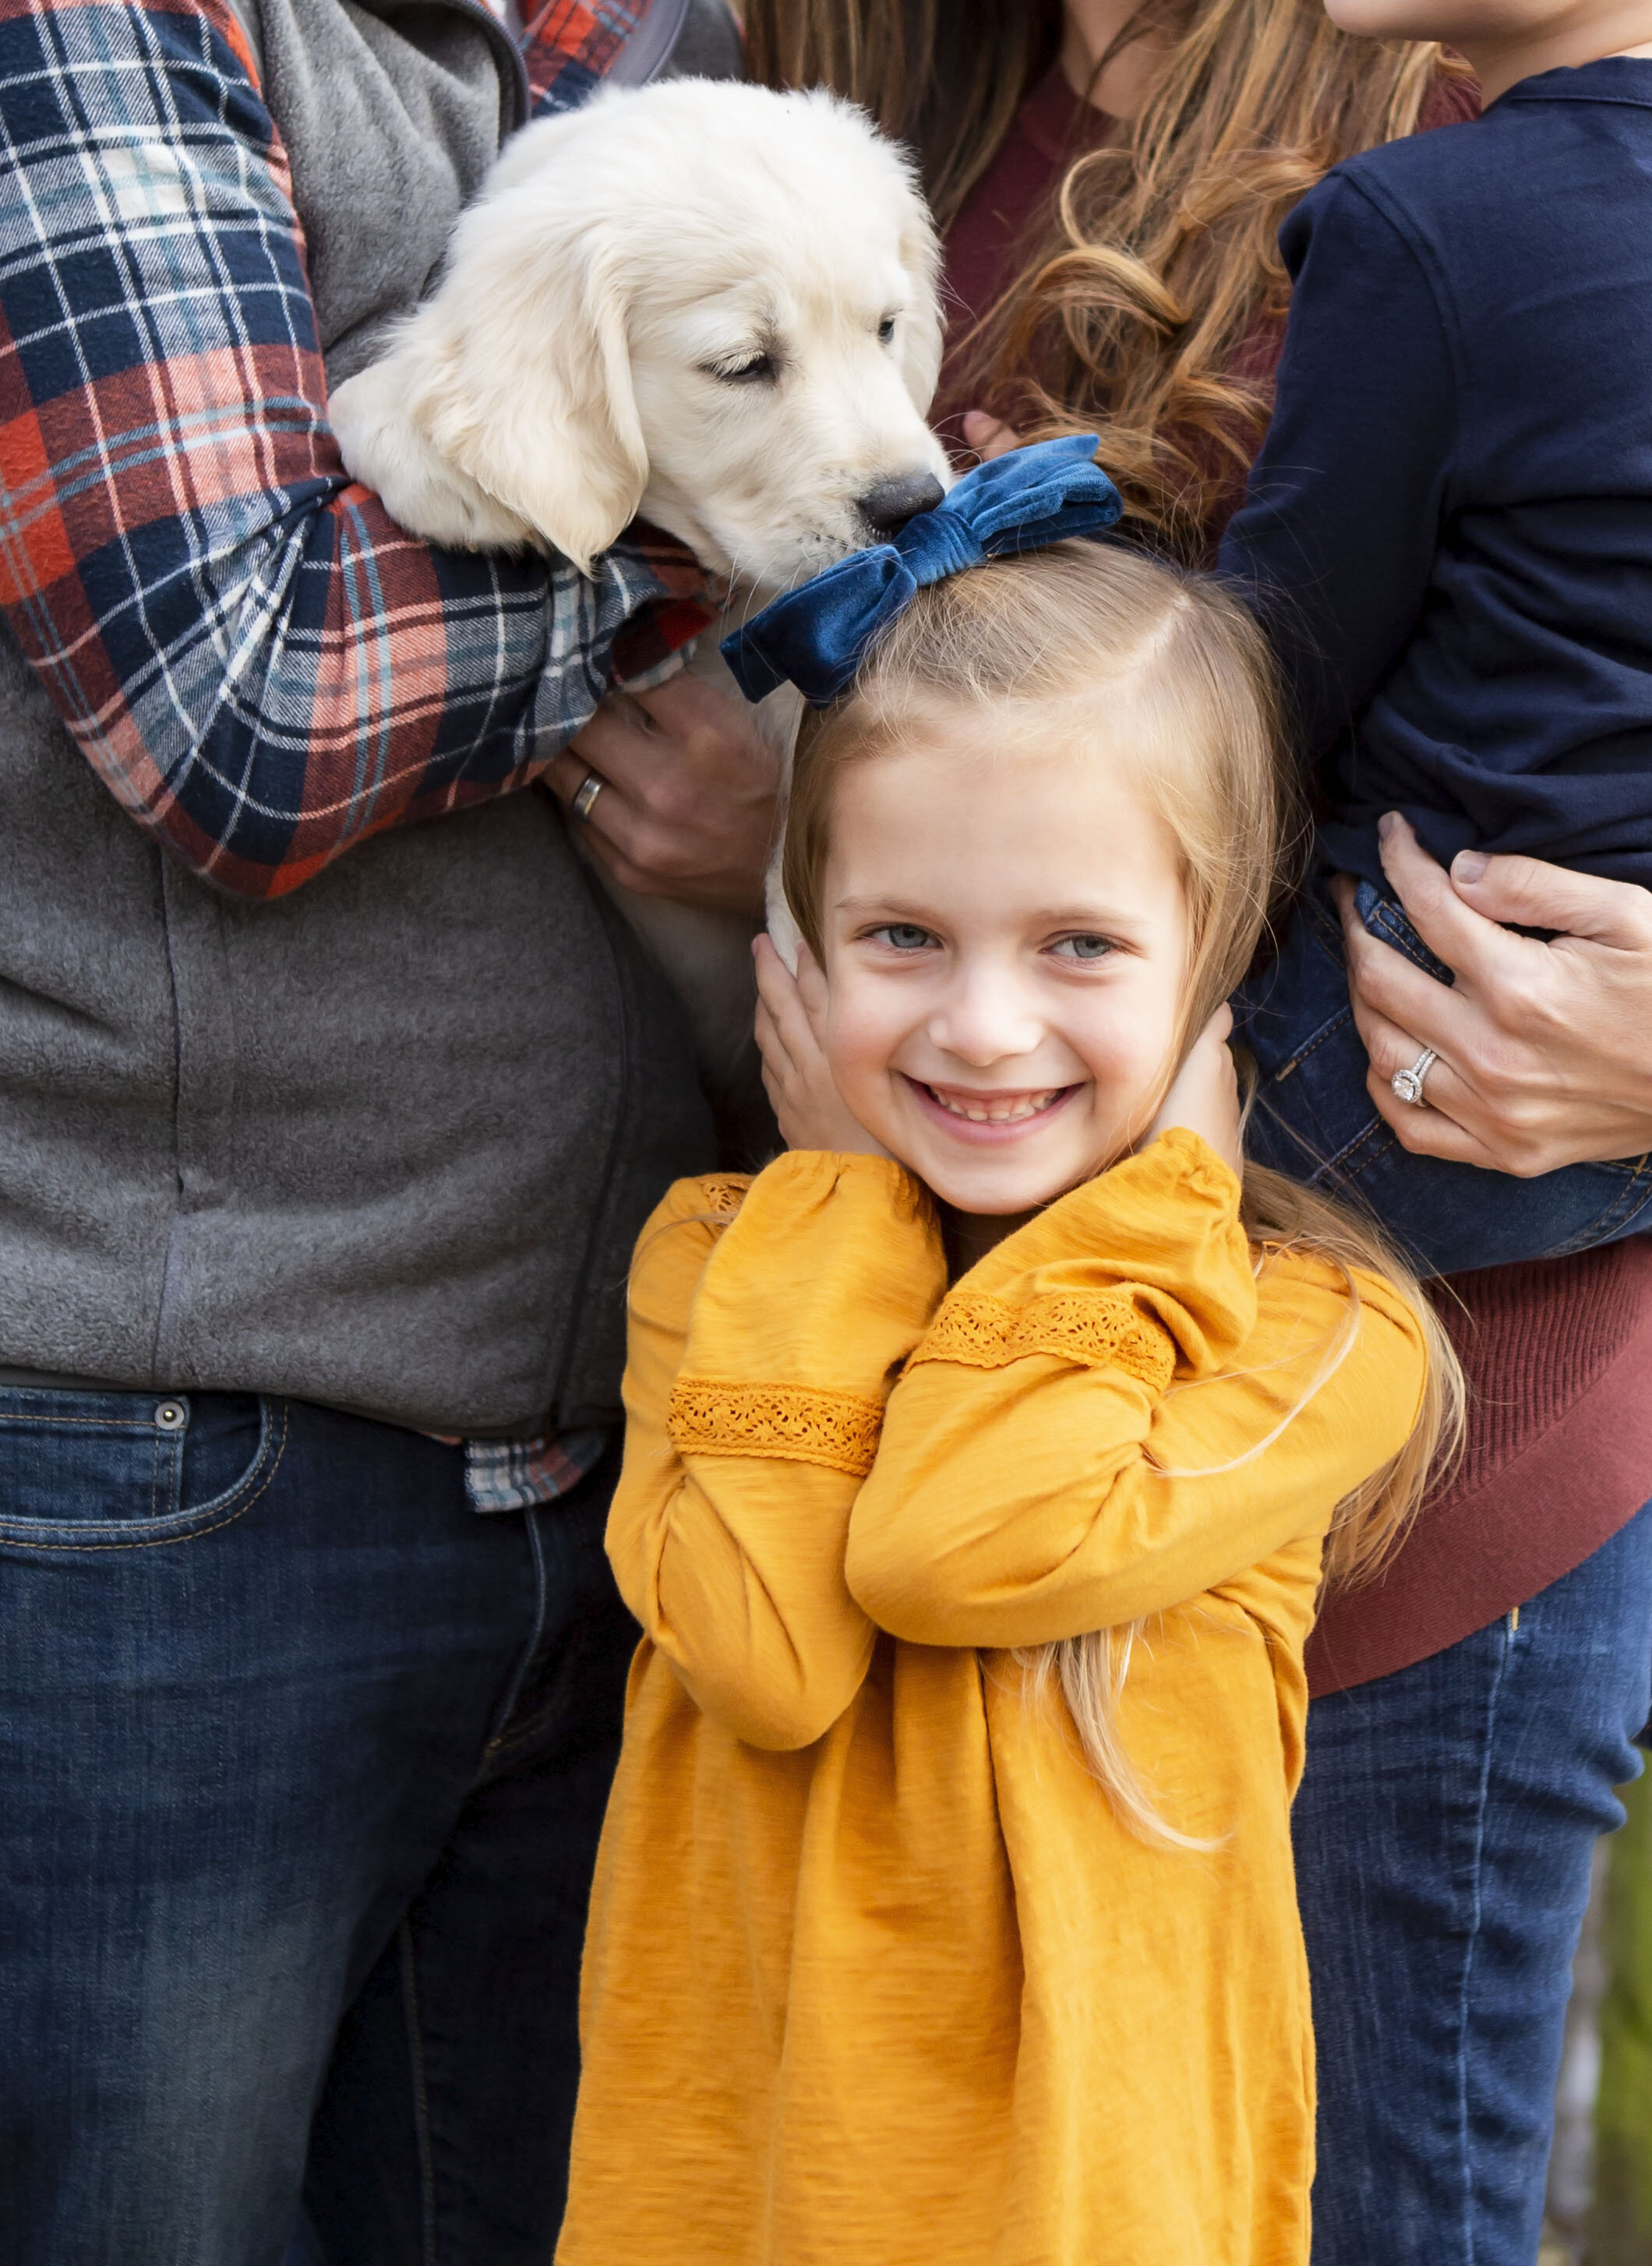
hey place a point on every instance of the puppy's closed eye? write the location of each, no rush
(758, 369)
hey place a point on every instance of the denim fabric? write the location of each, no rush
(302, 1765)
(1315, 1120)
(1443, 1836)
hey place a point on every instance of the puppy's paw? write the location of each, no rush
(385, 449)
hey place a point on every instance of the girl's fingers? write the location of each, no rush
(771, 1045)
(780, 992)
(776, 986)
(811, 986)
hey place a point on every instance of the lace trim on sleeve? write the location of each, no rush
(1094, 1329)
(724, 1194)
(836, 1430)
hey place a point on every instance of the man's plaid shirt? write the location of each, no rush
(260, 665)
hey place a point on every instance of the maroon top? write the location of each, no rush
(1558, 1354)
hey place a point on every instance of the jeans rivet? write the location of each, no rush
(171, 1416)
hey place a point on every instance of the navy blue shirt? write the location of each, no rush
(1448, 529)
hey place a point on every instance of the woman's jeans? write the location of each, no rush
(303, 1764)
(1443, 1834)
(1315, 1119)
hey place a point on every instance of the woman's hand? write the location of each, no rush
(1545, 1050)
(988, 435)
(1204, 1094)
(799, 1086)
(688, 800)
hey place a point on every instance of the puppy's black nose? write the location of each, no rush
(889, 505)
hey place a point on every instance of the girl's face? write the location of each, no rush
(1006, 941)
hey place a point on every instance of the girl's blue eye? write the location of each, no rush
(1087, 949)
(905, 936)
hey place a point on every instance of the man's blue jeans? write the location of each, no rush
(303, 1764)
(1315, 1119)
(1443, 1833)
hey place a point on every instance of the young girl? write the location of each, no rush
(983, 1454)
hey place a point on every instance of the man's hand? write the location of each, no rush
(1545, 1050)
(811, 1112)
(1204, 1093)
(689, 801)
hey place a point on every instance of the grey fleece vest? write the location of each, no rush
(386, 1142)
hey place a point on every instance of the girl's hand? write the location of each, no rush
(1543, 1054)
(1204, 1093)
(795, 1075)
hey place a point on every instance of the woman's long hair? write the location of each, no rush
(1047, 644)
(945, 77)
(1134, 318)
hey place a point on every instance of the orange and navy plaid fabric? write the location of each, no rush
(260, 664)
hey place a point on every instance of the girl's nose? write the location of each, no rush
(985, 1018)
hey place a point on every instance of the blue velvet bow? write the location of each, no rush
(818, 635)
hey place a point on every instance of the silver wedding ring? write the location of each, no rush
(1407, 1084)
(590, 787)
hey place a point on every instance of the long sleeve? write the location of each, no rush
(1336, 538)
(1072, 1446)
(761, 1352)
(260, 665)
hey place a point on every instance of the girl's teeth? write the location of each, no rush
(1006, 1113)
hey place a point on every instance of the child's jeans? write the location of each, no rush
(1315, 1120)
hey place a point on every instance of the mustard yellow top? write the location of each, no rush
(874, 1977)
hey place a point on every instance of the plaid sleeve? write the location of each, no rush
(260, 664)
(570, 46)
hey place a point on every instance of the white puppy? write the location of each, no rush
(705, 302)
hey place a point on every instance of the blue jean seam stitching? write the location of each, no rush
(1314, 1041)
(1481, 1797)
(409, 1965)
(1623, 1205)
(64, 1540)
(1376, 1137)
(1387, 929)
(499, 1733)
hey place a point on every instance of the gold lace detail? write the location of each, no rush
(836, 1430)
(1096, 1329)
(724, 1194)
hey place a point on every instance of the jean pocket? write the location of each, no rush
(111, 1471)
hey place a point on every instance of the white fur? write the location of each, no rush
(570, 371)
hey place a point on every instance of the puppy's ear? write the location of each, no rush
(526, 388)
(922, 333)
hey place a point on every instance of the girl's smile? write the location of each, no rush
(988, 1115)
(1006, 946)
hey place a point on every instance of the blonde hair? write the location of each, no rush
(1163, 258)
(1036, 641)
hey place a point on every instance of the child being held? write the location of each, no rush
(1448, 529)
(983, 1453)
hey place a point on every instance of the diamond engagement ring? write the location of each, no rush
(1407, 1084)
(590, 787)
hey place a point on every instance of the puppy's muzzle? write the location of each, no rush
(889, 505)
